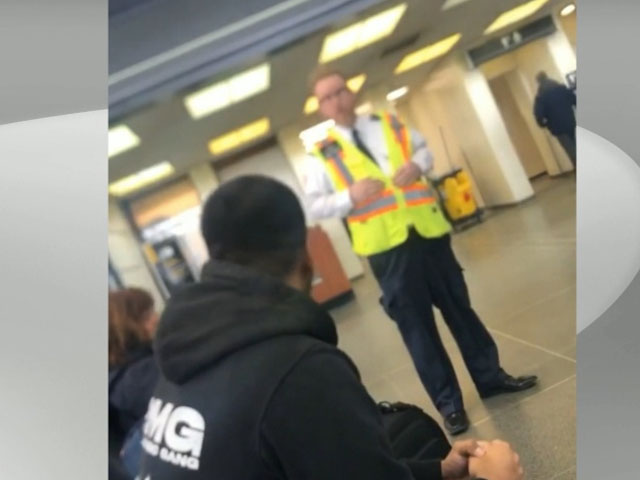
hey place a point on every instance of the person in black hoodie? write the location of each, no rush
(252, 385)
(133, 372)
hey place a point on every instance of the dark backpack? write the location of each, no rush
(413, 434)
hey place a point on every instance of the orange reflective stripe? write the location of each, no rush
(332, 152)
(415, 187)
(405, 145)
(421, 201)
(378, 206)
(418, 194)
(366, 216)
(400, 134)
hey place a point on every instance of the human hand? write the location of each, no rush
(363, 190)
(456, 465)
(499, 462)
(406, 175)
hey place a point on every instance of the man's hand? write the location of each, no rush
(406, 175)
(456, 465)
(364, 190)
(499, 462)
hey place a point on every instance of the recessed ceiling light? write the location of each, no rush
(121, 139)
(568, 9)
(239, 136)
(515, 15)
(315, 134)
(364, 109)
(311, 105)
(354, 84)
(427, 53)
(227, 92)
(361, 34)
(396, 94)
(452, 3)
(142, 178)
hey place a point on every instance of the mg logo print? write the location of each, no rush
(173, 433)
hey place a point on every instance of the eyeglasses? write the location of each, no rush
(333, 95)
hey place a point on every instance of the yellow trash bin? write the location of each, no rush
(456, 197)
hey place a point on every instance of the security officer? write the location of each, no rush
(370, 170)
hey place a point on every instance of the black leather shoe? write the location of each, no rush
(456, 423)
(509, 384)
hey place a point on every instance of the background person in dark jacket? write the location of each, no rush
(132, 369)
(252, 385)
(553, 109)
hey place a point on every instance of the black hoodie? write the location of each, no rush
(252, 386)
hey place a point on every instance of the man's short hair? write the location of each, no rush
(323, 71)
(257, 222)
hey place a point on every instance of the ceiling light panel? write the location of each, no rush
(227, 92)
(396, 94)
(121, 139)
(235, 138)
(515, 15)
(355, 83)
(428, 53)
(141, 179)
(311, 105)
(452, 3)
(568, 9)
(361, 34)
(364, 109)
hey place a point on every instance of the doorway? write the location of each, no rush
(517, 126)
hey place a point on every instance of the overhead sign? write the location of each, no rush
(512, 40)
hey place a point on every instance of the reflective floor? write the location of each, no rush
(520, 269)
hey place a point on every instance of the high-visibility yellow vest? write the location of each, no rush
(382, 223)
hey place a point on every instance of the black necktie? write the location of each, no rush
(362, 147)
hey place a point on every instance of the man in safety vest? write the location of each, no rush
(371, 170)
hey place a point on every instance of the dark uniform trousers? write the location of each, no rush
(414, 277)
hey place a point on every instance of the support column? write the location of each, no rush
(457, 113)
(126, 255)
(204, 180)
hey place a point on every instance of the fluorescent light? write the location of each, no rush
(515, 15)
(121, 138)
(364, 109)
(237, 137)
(311, 105)
(249, 83)
(396, 94)
(141, 179)
(568, 9)
(315, 134)
(361, 34)
(354, 84)
(427, 53)
(452, 3)
(227, 92)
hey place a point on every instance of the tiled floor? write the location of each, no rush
(520, 268)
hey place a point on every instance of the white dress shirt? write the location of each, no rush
(323, 201)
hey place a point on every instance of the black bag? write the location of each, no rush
(413, 434)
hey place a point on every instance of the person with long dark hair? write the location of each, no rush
(132, 369)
